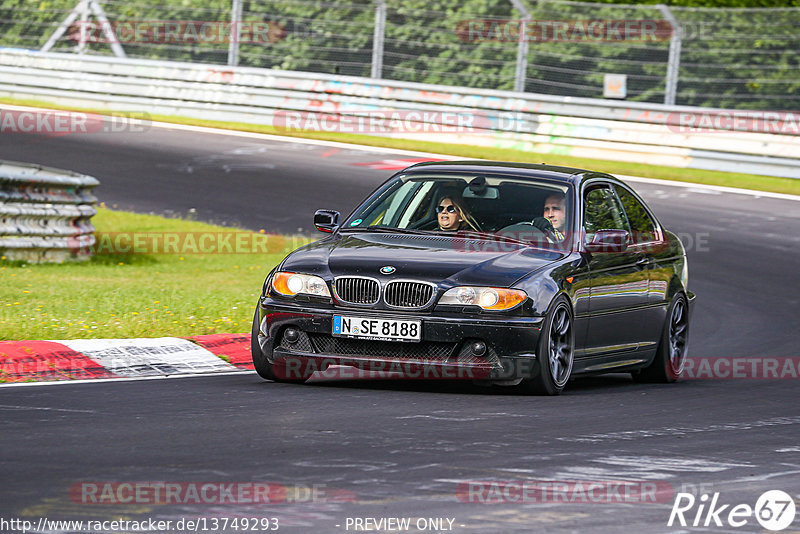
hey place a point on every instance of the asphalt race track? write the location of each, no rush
(339, 452)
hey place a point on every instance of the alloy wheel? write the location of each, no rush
(677, 336)
(561, 345)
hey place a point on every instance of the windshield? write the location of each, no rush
(521, 209)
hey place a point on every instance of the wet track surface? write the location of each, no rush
(390, 449)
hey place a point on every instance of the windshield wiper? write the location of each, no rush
(388, 229)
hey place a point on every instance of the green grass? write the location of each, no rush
(137, 295)
(746, 181)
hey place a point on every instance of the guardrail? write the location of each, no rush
(45, 213)
(590, 128)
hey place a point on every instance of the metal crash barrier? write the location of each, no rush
(684, 137)
(45, 213)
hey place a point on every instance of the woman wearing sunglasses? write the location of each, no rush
(453, 216)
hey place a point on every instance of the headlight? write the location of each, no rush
(488, 298)
(291, 284)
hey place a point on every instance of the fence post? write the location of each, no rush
(522, 47)
(82, 10)
(674, 61)
(108, 30)
(378, 39)
(236, 32)
(78, 11)
(84, 21)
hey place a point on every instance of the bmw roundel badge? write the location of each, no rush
(387, 269)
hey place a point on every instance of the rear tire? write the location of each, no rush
(672, 348)
(555, 352)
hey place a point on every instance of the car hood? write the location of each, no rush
(435, 258)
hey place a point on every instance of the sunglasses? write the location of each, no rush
(450, 209)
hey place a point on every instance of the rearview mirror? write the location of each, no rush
(326, 221)
(478, 188)
(608, 241)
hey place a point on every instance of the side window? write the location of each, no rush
(602, 211)
(642, 225)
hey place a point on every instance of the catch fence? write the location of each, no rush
(722, 58)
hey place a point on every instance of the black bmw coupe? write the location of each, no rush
(505, 273)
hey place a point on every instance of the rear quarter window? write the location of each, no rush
(642, 225)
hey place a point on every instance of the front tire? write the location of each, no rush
(262, 365)
(555, 352)
(672, 348)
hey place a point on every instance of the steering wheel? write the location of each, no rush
(531, 232)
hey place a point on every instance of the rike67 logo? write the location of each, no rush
(774, 510)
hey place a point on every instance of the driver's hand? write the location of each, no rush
(543, 224)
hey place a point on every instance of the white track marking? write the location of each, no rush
(695, 188)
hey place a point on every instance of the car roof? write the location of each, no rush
(510, 168)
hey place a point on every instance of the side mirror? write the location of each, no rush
(326, 221)
(608, 241)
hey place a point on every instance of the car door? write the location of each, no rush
(618, 281)
(647, 241)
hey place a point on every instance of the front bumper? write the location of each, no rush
(446, 350)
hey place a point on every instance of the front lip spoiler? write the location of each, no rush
(294, 365)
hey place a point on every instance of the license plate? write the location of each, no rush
(378, 329)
